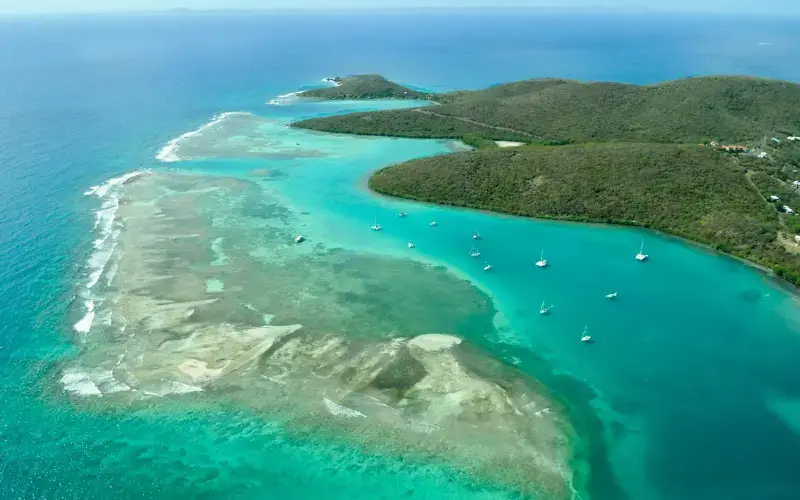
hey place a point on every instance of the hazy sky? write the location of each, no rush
(57, 6)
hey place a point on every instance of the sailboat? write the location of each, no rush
(487, 267)
(544, 310)
(542, 261)
(476, 235)
(410, 245)
(401, 214)
(612, 296)
(474, 252)
(300, 238)
(376, 226)
(586, 338)
(641, 256)
(433, 223)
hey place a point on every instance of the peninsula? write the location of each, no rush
(708, 159)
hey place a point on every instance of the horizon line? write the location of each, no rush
(637, 9)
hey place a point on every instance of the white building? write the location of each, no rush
(774, 198)
(797, 238)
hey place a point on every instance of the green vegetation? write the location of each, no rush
(364, 87)
(694, 110)
(613, 153)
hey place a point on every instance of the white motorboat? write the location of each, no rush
(586, 338)
(300, 238)
(487, 267)
(402, 214)
(641, 256)
(433, 223)
(542, 261)
(476, 235)
(410, 245)
(612, 295)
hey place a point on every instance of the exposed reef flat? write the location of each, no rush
(369, 349)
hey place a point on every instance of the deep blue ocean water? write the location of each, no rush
(85, 98)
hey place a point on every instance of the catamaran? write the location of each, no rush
(641, 256)
(544, 310)
(376, 226)
(542, 261)
(586, 338)
(487, 267)
(474, 252)
(612, 295)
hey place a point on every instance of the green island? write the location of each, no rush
(714, 160)
(363, 87)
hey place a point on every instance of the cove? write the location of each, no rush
(689, 390)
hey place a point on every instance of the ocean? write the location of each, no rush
(689, 391)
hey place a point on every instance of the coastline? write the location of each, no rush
(765, 270)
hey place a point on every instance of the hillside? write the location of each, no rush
(626, 154)
(728, 109)
(364, 87)
(688, 191)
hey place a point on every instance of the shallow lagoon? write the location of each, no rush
(692, 373)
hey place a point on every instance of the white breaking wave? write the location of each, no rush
(85, 323)
(285, 99)
(169, 153)
(108, 230)
(342, 411)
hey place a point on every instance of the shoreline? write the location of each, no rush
(766, 271)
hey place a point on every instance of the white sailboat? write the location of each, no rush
(586, 338)
(300, 238)
(542, 261)
(474, 252)
(375, 226)
(612, 296)
(401, 214)
(544, 310)
(487, 267)
(641, 256)
(410, 245)
(433, 223)
(476, 235)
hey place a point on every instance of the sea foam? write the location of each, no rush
(285, 99)
(169, 153)
(104, 245)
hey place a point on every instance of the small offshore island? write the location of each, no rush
(715, 160)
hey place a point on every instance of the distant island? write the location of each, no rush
(363, 87)
(715, 160)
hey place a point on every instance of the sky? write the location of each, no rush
(62, 6)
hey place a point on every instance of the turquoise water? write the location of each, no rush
(689, 392)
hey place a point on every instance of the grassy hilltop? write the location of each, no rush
(614, 153)
(364, 87)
